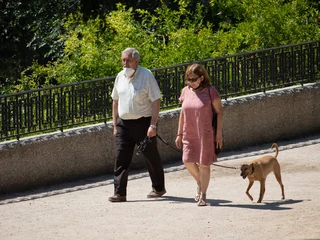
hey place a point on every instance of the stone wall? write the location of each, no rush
(90, 151)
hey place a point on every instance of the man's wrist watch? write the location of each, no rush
(153, 126)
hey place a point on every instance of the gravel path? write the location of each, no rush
(80, 210)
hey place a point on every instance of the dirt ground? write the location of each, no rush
(80, 210)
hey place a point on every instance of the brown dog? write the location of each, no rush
(258, 170)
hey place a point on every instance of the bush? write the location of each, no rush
(167, 37)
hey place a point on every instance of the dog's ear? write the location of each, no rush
(252, 167)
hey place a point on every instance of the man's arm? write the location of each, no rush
(155, 111)
(115, 115)
(155, 106)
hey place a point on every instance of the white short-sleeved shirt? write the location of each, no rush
(135, 95)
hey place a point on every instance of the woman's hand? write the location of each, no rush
(178, 141)
(219, 139)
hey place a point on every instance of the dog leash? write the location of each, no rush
(178, 150)
(218, 165)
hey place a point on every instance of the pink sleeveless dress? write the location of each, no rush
(198, 134)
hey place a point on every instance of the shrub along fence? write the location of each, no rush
(83, 103)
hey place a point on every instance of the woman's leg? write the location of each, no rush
(194, 171)
(204, 179)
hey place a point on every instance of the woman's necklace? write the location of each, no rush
(197, 88)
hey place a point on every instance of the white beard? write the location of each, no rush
(128, 72)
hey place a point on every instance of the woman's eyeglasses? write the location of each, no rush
(192, 79)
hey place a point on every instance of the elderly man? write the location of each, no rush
(136, 105)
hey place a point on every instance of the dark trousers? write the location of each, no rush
(130, 133)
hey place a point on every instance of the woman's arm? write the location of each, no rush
(180, 129)
(217, 104)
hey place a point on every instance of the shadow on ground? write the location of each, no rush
(267, 205)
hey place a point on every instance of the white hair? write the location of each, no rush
(134, 52)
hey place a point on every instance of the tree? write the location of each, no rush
(87, 43)
(30, 33)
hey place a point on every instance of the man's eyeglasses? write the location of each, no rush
(192, 79)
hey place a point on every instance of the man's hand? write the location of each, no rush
(151, 132)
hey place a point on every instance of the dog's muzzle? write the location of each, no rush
(243, 175)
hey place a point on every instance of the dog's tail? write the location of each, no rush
(274, 145)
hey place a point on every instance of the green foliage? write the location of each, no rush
(276, 23)
(92, 49)
(270, 23)
(29, 33)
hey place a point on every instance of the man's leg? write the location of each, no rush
(124, 147)
(155, 166)
(153, 160)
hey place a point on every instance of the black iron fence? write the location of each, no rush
(67, 106)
